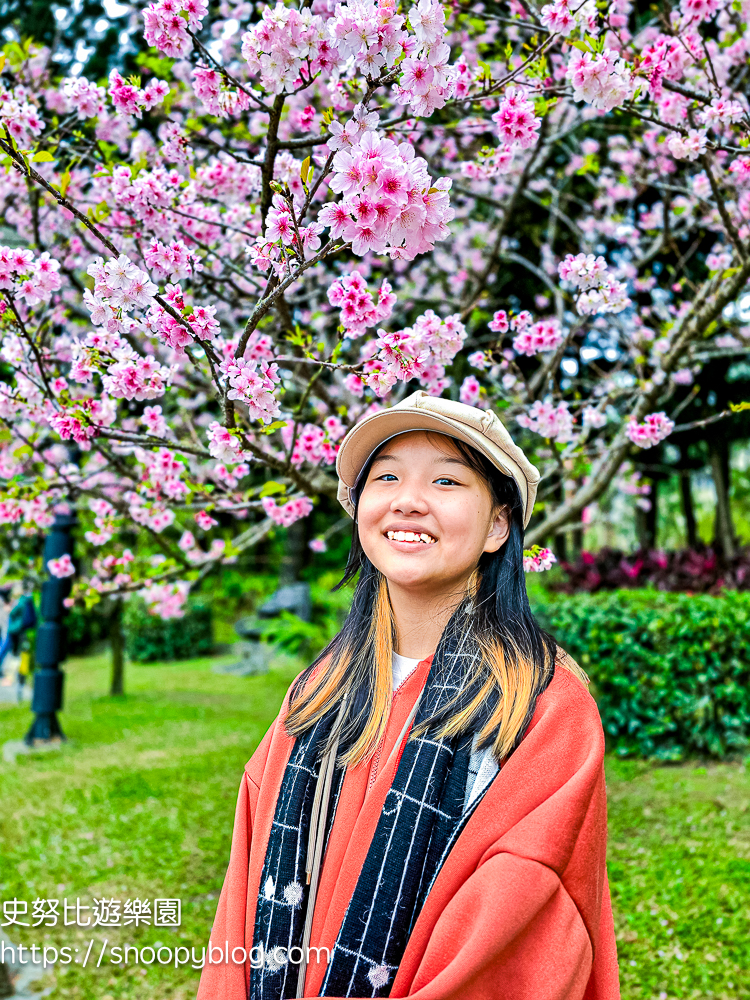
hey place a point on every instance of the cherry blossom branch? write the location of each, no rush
(265, 304)
(680, 88)
(224, 72)
(539, 273)
(318, 140)
(695, 425)
(211, 222)
(502, 228)
(730, 227)
(498, 85)
(680, 130)
(316, 185)
(269, 159)
(151, 440)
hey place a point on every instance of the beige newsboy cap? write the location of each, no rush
(482, 429)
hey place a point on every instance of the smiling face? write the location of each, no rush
(425, 517)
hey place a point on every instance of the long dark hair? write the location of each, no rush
(498, 699)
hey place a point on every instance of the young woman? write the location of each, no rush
(427, 816)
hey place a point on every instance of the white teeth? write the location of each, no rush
(410, 536)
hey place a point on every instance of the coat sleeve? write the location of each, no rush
(512, 931)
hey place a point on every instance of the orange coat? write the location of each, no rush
(521, 907)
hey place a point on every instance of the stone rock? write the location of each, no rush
(16, 976)
(252, 658)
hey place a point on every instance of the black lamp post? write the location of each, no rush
(50, 638)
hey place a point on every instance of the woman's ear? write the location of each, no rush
(499, 531)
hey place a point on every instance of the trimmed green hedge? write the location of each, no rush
(149, 638)
(670, 672)
(85, 628)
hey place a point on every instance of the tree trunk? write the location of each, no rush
(646, 520)
(118, 649)
(688, 508)
(723, 527)
(294, 552)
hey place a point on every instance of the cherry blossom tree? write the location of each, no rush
(297, 215)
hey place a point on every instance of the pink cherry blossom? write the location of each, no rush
(537, 560)
(593, 417)
(516, 120)
(289, 512)
(358, 310)
(167, 600)
(545, 335)
(61, 567)
(602, 80)
(204, 520)
(499, 322)
(555, 422)
(654, 428)
(469, 391)
(688, 147)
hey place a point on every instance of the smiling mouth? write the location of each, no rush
(420, 537)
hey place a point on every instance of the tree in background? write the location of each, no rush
(296, 215)
(87, 34)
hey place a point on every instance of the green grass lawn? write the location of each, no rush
(139, 805)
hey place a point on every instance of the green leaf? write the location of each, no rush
(304, 170)
(109, 149)
(590, 165)
(161, 67)
(43, 156)
(139, 165)
(275, 426)
(271, 488)
(64, 183)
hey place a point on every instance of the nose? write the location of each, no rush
(408, 500)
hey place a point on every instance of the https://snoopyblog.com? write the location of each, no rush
(102, 953)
